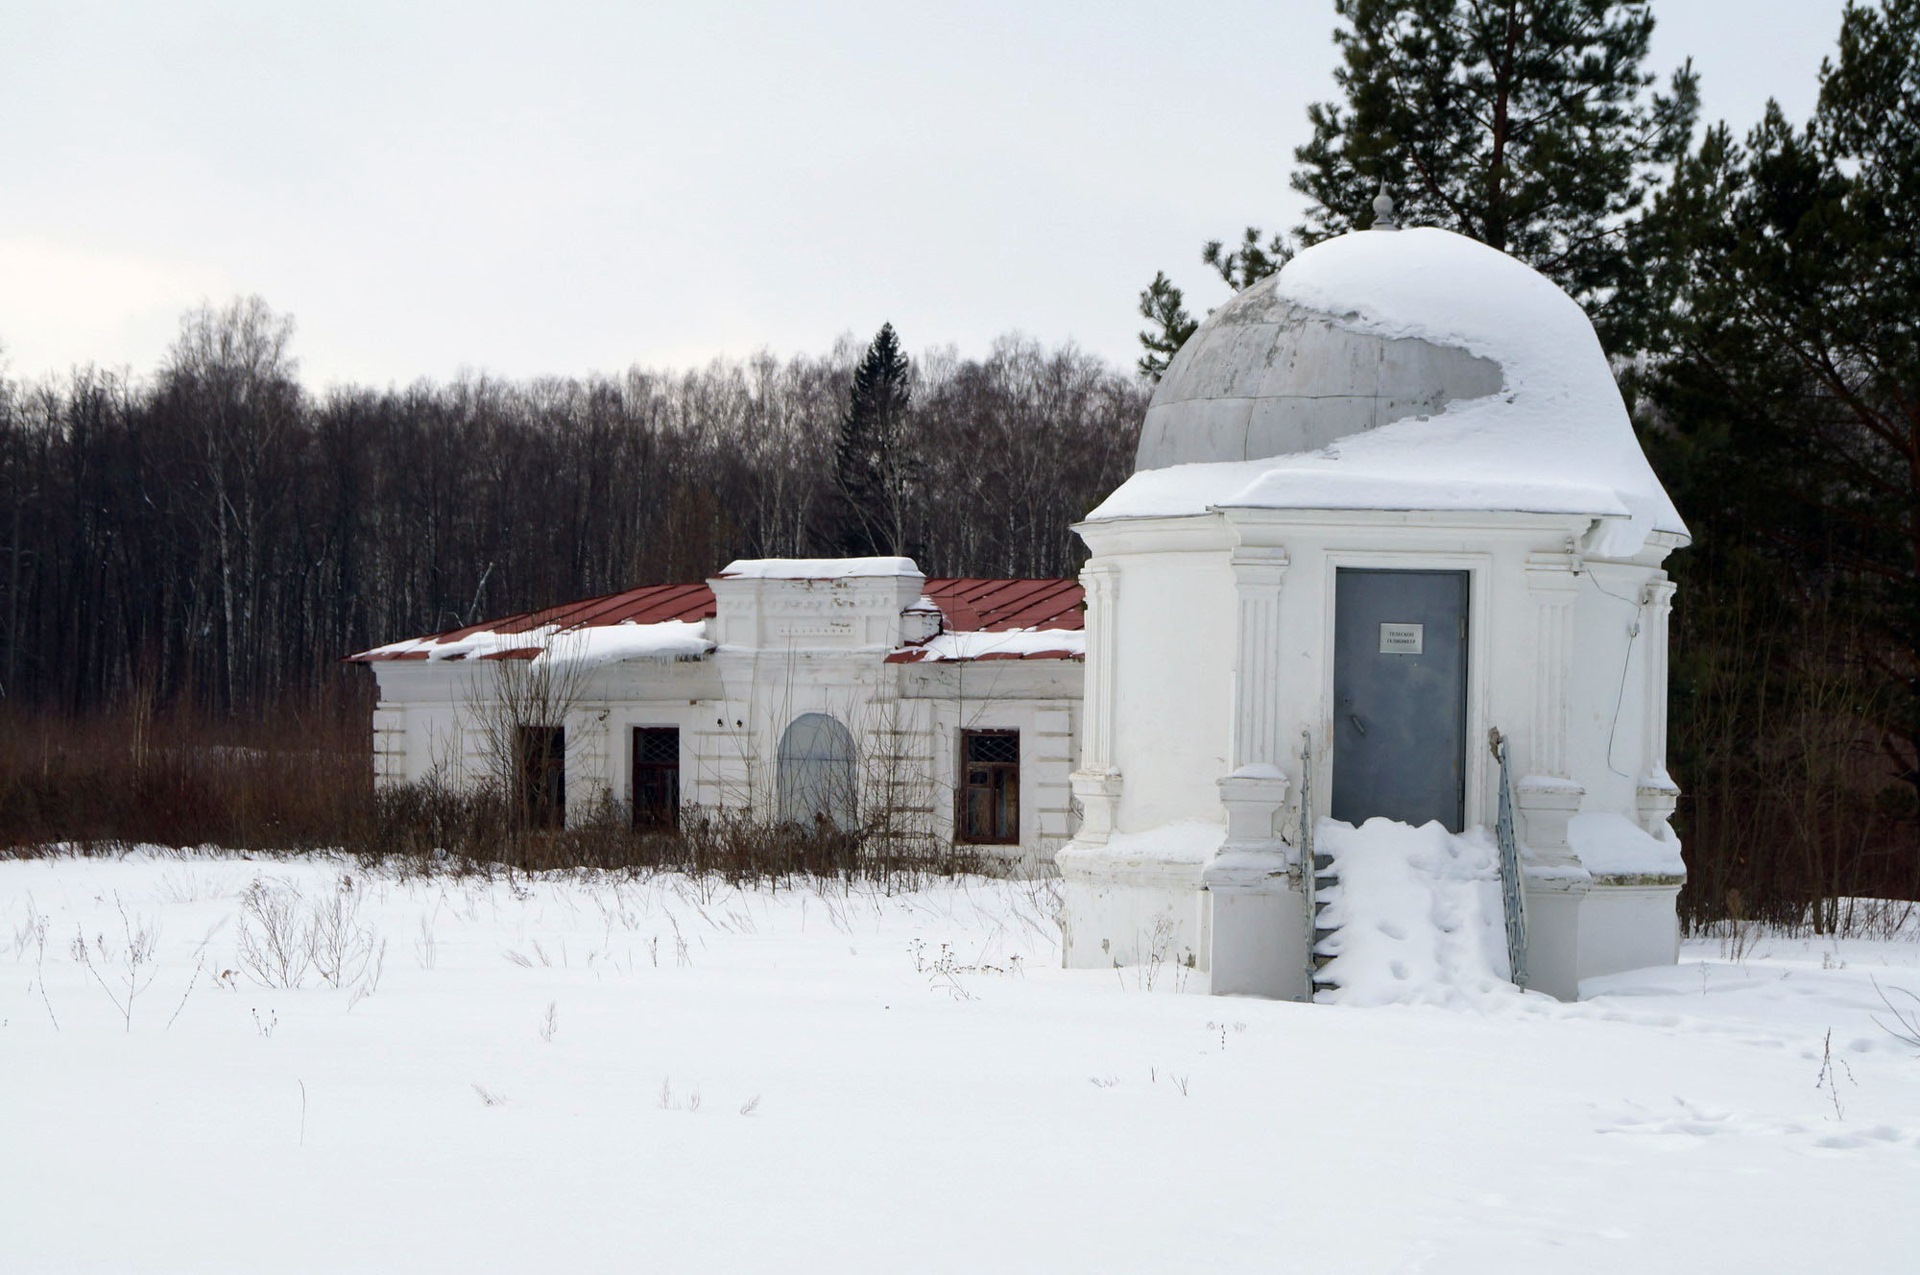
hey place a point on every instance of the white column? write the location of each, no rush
(1553, 587)
(1256, 789)
(1096, 785)
(1258, 930)
(1657, 794)
(1544, 790)
(1102, 583)
(1258, 575)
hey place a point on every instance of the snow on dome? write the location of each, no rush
(1413, 369)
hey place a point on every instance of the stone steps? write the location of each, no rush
(1324, 876)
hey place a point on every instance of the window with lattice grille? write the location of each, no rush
(990, 787)
(656, 776)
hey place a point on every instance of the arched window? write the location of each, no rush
(816, 772)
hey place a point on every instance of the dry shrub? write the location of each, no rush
(116, 779)
(433, 828)
(103, 783)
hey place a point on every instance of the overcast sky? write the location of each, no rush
(565, 187)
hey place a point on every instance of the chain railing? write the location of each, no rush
(1512, 896)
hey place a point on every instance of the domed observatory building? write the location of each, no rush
(1387, 507)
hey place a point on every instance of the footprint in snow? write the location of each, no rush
(1882, 1133)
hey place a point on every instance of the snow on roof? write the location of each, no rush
(584, 646)
(818, 568)
(983, 619)
(997, 606)
(1555, 438)
(1002, 620)
(1007, 644)
(1613, 845)
(526, 634)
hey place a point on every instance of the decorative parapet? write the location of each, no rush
(1547, 803)
(1252, 854)
(803, 604)
(1098, 794)
(1654, 802)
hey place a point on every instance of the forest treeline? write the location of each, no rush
(214, 537)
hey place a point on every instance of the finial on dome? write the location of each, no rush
(1383, 209)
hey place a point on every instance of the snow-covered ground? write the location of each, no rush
(666, 1075)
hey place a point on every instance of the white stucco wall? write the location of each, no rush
(1175, 663)
(789, 647)
(1220, 641)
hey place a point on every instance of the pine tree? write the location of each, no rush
(1526, 124)
(1786, 387)
(1163, 305)
(875, 469)
(1250, 261)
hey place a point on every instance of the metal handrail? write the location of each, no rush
(1512, 896)
(1308, 872)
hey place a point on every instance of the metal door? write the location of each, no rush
(1400, 696)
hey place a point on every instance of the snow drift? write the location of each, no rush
(1418, 915)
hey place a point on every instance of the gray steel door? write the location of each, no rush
(1400, 696)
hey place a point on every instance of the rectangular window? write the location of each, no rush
(543, 776)
(656, 777)
(990, 787)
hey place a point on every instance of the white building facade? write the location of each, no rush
(852, 690)
(1387, 504)
(1389, 524)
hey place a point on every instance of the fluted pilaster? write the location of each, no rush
(1096, 784)
(1657, 795)
(1258, 575)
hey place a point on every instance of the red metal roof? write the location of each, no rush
(994, 606)
(966, 605)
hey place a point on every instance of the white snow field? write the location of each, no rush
(595, 1074)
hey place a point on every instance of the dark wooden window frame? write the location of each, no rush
(655, 795)
(989, 788)
(543, 776)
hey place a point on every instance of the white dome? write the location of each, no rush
(1412, 369)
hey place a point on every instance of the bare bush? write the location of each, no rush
(276, 944)
(1903, 1014)
(130, 962)
(284, 937)
(343, 949)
